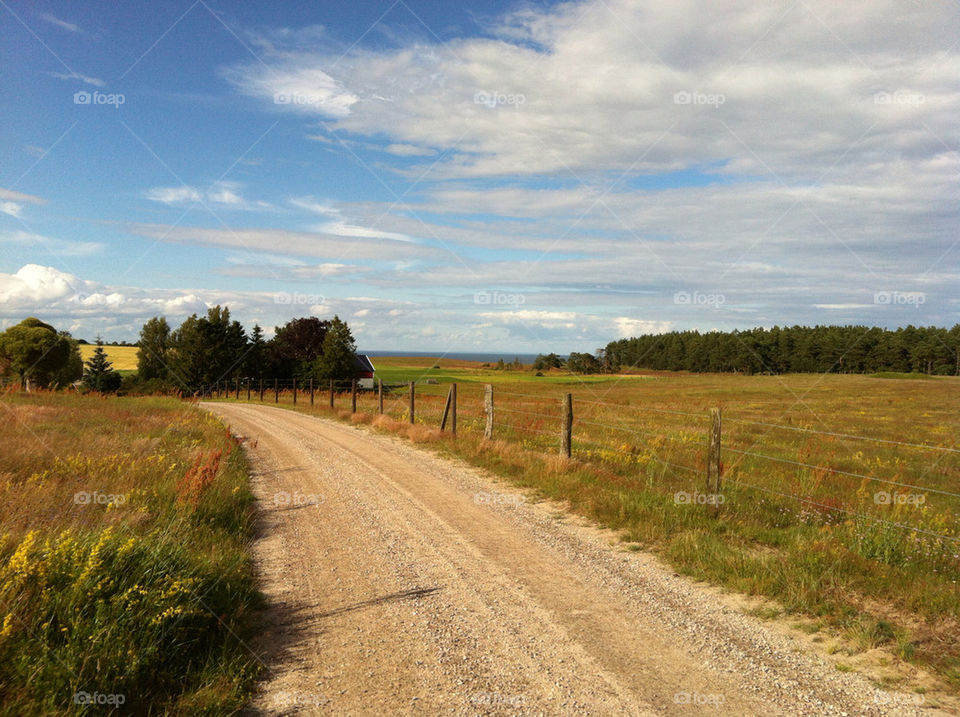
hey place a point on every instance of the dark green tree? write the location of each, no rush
(35, 352)
(338, 358)
(153, 346)
(98, 373)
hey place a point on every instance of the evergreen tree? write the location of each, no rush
(98, 374)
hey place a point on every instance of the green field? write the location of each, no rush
(841, 493)
(123, 358)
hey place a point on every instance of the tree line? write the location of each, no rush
(795, 349)
(198, 353)
(211, 348)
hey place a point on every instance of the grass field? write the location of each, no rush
(124, 576)
(123, 358)
(840, 493)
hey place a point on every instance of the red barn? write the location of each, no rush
(364, 371)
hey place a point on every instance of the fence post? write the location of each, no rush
(566, 430)
(331, 393)
(294, 392)
(276, 391)
(248, 390)
(446, 409)
(261, 389)
(714, 464)
(380, 394)
(311, 390)
(488, 407)
(453, 414)
(353, 395)
(238, 388)
(412, 393)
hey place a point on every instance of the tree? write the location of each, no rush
(583, 363)
(544, 362)
(255, 361)
(338, 359)
(72, 369)
(35, 352)
(296, 346)
(152, 352)
(98, 374)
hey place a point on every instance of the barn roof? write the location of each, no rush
(363, 363)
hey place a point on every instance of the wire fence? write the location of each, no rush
(875, 483)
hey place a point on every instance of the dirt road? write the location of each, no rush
(402, 583)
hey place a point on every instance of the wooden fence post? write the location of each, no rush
(248, 389)
(566, 430)
(261, 390)
(412, 393)
(453, 414)
(380, 394)
(276, 391)
(446, 409)
(488, 407)
(294, 392)
(331, 393)
(353, 395)
(311, 390)
(714, 464)
(238, 388)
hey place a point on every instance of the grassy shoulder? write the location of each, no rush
(124, 575)
(882, 591)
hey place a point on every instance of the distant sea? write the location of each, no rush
(482, 357)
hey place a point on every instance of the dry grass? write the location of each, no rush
(123, 567)
(123, 358)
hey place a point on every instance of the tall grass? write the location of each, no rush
(124, 578)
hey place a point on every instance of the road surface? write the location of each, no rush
(403, 583)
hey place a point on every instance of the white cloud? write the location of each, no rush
(95, 81)
(57, 247)
(408, 150)
(222, 194)
(62, 24)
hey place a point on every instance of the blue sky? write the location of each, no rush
(507, 177)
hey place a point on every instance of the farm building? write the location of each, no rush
(364, 371)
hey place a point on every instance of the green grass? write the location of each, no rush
(142, 596)
(908, 376)
(850, 571)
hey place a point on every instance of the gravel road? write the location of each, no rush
(403, 583)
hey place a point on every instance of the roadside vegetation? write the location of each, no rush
(873, 561)
(125, 583)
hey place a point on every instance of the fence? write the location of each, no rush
(704, 457)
